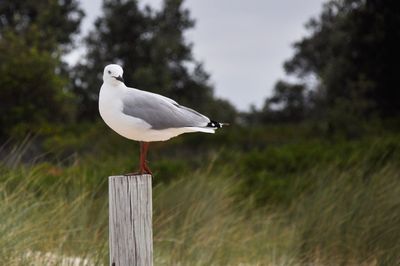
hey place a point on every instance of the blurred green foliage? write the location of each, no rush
(47, 25)
(266, 160)
(30, 90)
(33, 37)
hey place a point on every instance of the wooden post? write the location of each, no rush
(130, 220)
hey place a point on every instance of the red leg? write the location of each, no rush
(141, 158)
(145, 167)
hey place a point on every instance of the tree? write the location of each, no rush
(33, 36)
(48, 24)
(31, 93)
(353, 49)
(287, 104)
(153, 51)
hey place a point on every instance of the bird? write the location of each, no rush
(145, 116)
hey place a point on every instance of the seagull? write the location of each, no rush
(144, 116)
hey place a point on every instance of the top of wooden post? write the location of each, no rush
(130, 175)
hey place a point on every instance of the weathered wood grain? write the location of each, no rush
(130, 220)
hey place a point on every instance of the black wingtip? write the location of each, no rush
(215, 124)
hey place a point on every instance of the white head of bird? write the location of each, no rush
(112, 75)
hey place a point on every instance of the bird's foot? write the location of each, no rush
(133, 173)
(142, 171)
(147, 170)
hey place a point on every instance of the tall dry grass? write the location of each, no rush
(351, 217)
(196, 222)
(57, 215)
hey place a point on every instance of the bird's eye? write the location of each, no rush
(109, 72)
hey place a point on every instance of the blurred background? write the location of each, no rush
(307, 173)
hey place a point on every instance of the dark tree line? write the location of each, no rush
(353, 50)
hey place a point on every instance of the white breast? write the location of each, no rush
(110, 108)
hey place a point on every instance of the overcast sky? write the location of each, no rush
(241, 43)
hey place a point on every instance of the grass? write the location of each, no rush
(199, 222)
(196, 222)
(48, 219)
(351, 217)
(343, 209)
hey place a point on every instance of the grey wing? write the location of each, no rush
(161, 113)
